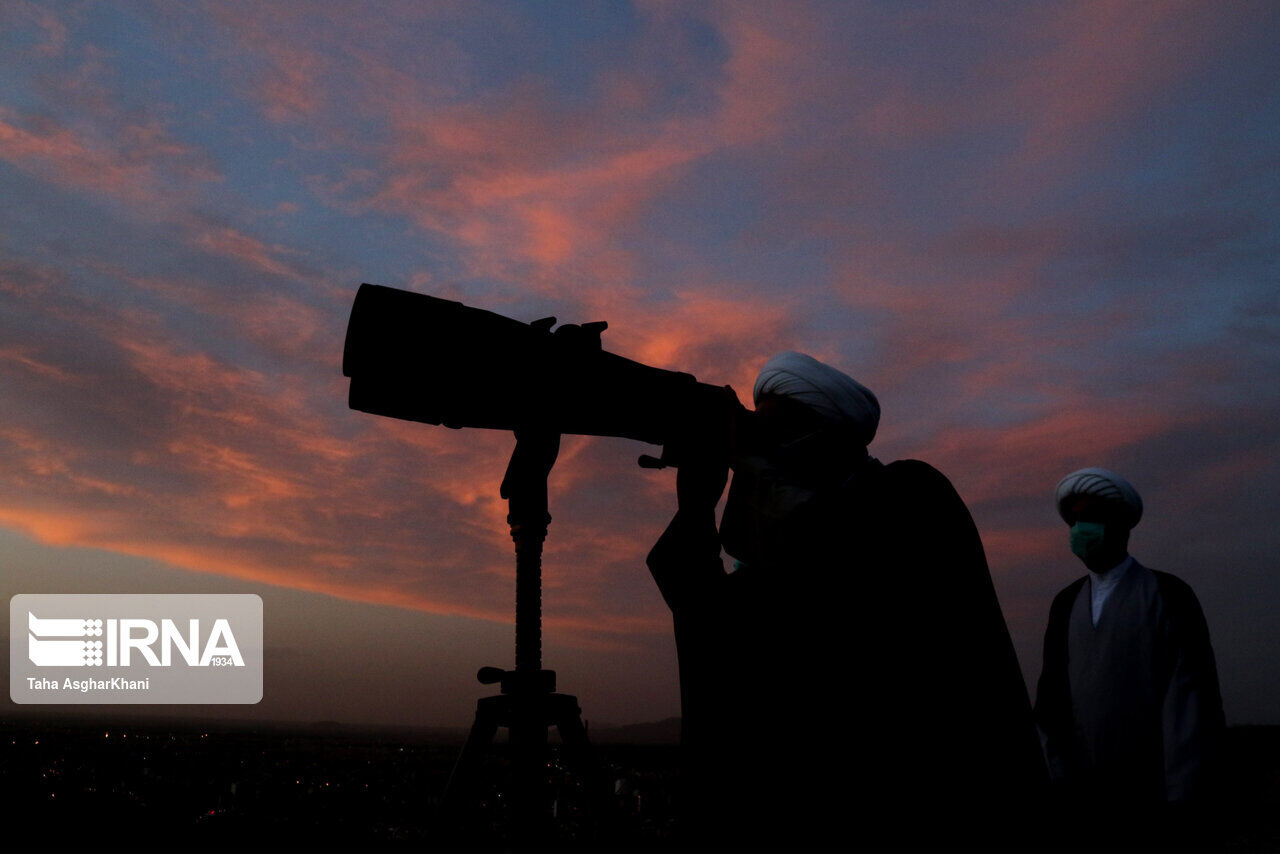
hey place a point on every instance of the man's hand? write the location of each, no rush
(702, 453)
(685, 561)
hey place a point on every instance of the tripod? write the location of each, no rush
(528, 703)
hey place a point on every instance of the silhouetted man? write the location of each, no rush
(853, 672)
(1128, 699)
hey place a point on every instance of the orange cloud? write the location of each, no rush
(21, 356)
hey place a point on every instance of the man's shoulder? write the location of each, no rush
(1060, 612)
(914, 468)
(1067, 596)
(917, 475)
(1169, 582)
(1176, 593)
(921, 490)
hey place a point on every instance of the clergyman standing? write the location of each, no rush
(1128, 699)
(852, 678)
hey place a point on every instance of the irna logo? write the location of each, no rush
(61, 642)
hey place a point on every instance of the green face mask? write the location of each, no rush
(1088, 539)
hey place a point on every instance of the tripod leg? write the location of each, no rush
(461, 783)
(573, 734)
(578, 755)
(529, 793)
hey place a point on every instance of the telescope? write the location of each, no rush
(420, 358)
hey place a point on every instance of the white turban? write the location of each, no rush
(827, 391)
(1105, 485)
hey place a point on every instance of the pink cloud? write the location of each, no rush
(1022, 458)
(66, 159)
(530, 187)
(22, 357)
(1104, 54)
(519, 182)
(18, 14)
(769, 59)
(133, 165)
(233, 243)
(88, 134)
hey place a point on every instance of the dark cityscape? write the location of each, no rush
(185, 780)
(217, 780)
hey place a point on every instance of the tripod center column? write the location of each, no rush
(528, 540)
(525, 488)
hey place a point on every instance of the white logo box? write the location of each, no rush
(135, 648)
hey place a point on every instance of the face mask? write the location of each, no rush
(761, 512)
(1088, 539)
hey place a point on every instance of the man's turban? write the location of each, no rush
(829, 392)
(1104, 485)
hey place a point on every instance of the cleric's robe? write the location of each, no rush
(868, 685)
(1131, 706)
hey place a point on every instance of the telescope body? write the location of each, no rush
(421, 358)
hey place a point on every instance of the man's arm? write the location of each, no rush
(685, 562)
(1053, 700)
(1192, 713)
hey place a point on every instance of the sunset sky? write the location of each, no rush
(1044, 234)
